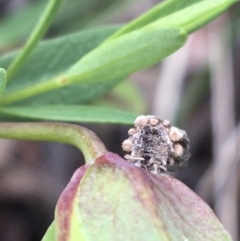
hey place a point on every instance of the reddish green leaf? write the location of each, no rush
(115, 200)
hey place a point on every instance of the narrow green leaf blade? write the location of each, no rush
(50, 234)
(159, 11)
(38, 32)
(3, 80)
(187, 14)
(110, 63)
(54, 57)
(125, 96)
(27, 15)
(125, 55)
(72, 113)
(195, 16)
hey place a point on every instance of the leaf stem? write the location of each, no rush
(32, 90)
(84, 139)
(51, 84)
(3, 80)
(41, 28)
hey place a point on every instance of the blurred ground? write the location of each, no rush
(197, 88)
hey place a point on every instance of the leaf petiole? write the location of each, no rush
(84, 139)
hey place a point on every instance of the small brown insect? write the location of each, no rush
(156, 145)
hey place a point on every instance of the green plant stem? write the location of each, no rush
(39, 31)
(150, 16)
(84, 139)
(3, 80)
(43, 87)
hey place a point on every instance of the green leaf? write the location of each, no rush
(27, 16)
(76, 15)
(3, 80)
(187, 14)
(113, 61)
(38, 32)
(159, 11)
(125, 55)
(196, 15)
(53, 57)
(125, 96)
(72, 16)
(50, 234)
(72, 113)
(124, 202)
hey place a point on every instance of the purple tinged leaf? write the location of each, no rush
(115, 200)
